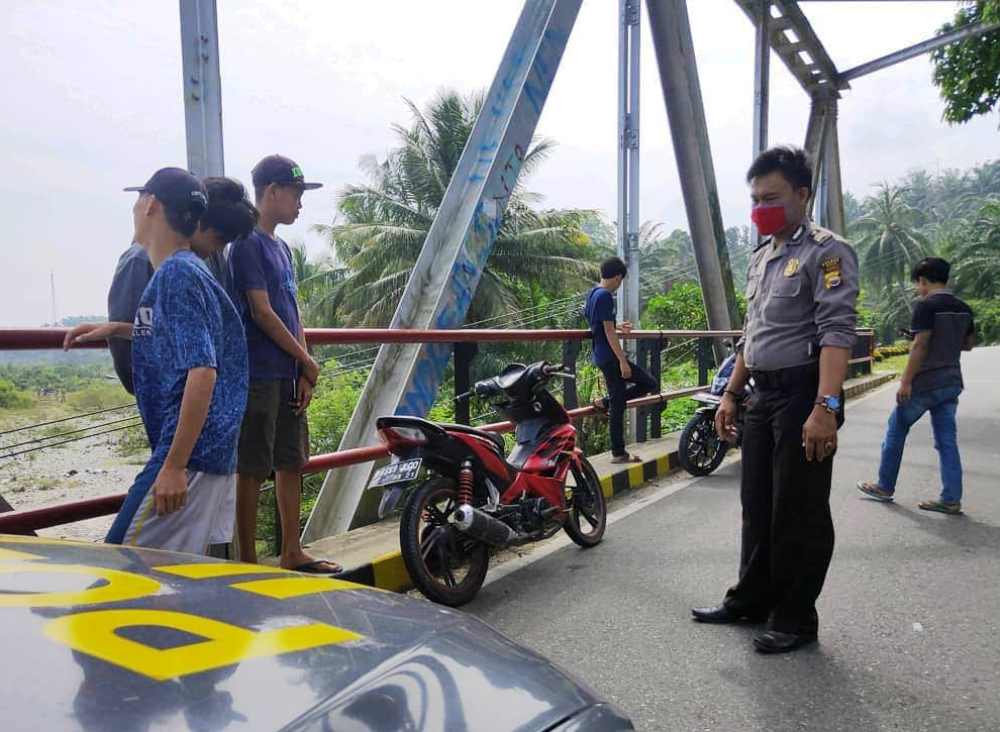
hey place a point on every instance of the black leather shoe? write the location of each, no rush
(774, 641)
(722, 614)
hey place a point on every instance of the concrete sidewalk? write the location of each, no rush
(371, 554)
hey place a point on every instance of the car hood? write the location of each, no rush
(99, 637)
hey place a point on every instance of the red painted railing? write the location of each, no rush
(17, 522)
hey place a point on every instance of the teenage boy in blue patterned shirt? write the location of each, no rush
(190, 376)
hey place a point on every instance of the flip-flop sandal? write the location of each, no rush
(941, 507)
(875, 491)
(313, 567)
(626, 459)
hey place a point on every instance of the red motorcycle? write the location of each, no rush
(461, 496)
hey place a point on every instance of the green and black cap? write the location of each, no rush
(282, 171)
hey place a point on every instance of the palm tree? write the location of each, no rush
(977, 259)
(888, 240)
(385, 222)
(664, 260)
(317, 282)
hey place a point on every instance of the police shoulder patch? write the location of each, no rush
(831, 272)
(823, 236)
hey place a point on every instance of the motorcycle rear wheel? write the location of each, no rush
(588, 510)
(700, 450)
(447, 566)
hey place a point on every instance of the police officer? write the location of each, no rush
(801, 292)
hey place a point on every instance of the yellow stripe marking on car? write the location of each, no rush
(118, 586)
(9, 555)
(211, 570)
(287, 587)
(96, 634)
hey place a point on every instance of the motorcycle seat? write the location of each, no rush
(465, 429)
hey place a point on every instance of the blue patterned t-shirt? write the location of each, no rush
(185, 320)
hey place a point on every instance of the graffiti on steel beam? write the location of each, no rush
(487, 219)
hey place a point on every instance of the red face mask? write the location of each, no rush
(768, 219)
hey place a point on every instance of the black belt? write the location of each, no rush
(788, 378)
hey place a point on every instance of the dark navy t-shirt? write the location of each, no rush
(186, 320)
(600, 306)
(259, 262)
(132, 274)
(950, 321)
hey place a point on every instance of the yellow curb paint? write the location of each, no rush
(663, 465)
(635, 476)
(390, 572)
(607, 486)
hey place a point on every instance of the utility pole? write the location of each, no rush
(628, 171)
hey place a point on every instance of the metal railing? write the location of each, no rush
(651, 345)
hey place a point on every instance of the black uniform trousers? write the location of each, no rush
(788, 536)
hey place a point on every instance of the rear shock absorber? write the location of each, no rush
(466, 480)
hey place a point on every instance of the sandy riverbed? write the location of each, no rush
(73, 472)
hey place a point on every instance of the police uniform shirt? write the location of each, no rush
(801, 297)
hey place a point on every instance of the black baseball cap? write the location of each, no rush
(282, 171)
(177, 189)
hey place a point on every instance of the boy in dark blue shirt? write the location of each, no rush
(625, 380)
(190, 377)
(275, 434)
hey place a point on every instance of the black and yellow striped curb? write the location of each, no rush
(388, 572)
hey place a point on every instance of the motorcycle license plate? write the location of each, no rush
(402, 472)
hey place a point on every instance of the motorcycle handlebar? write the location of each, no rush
(552, 370)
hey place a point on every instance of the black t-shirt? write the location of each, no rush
(950, 321)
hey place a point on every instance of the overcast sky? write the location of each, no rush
(94, 104)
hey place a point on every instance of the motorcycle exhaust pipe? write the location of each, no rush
(480, 525)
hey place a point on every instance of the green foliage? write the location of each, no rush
(664, 260)
(337, 393)
(899, 348)
(987, 314)
(383, 223)
(678, 413)
(968, 73)
(13, 398)
(682, 308)
(888, 240)
(99, 395)
(132, 441)
(976, 256)
(62, 378)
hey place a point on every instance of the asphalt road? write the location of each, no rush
(909, 636)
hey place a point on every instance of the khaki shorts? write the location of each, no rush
(272, 437)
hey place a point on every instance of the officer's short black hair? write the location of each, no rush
(791, 162)
(932, 269)
(229, 210)
(613, 267)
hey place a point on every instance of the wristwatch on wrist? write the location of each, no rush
(829, 403)
(733, 394)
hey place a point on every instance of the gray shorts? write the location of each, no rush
(272, 437)
(206, 518)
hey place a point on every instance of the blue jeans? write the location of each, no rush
(942, 404)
